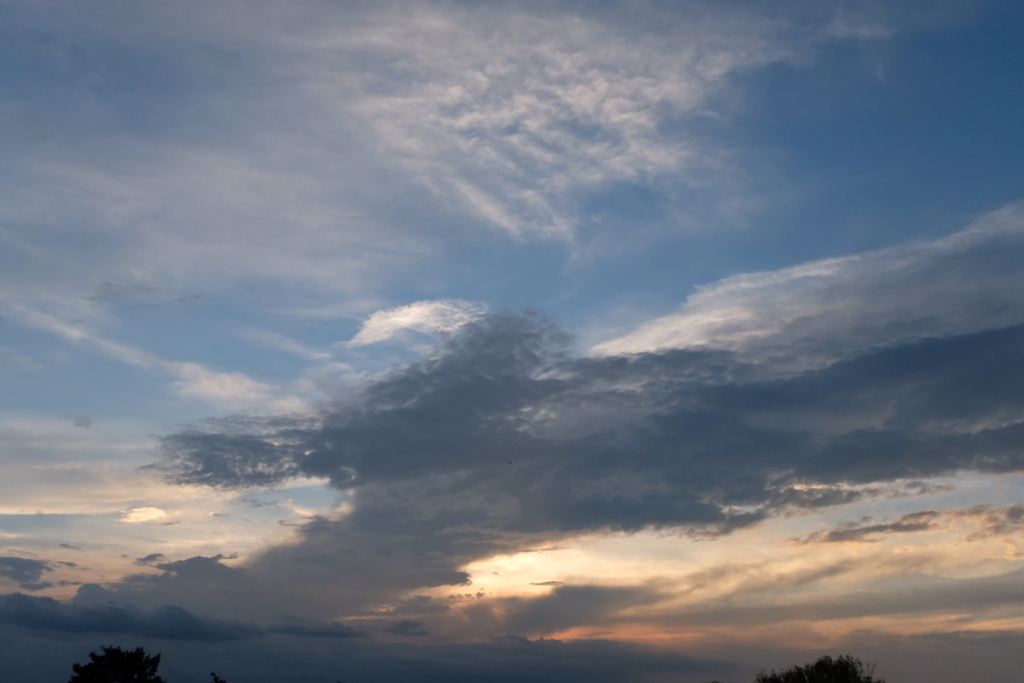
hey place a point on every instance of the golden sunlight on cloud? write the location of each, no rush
(828, 586)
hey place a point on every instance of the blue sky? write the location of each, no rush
(395, 337)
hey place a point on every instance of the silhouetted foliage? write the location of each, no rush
(118, 666)
(214, 678)
(844, 669)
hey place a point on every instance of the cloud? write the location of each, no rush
(317, 631)
(569, 606)
(495, 100)
(999, 638)
(25, 572)
(199, 584)
(506, 440)
(818, 312)
(296, 196)
(515, 116)
(223, 389)
(520, 117)
(167, 622)
(922, 596)
(860, 531)
(991, 522)
(429, 317)
(140, 515)
(407, 628)
(999, 521)
(507, 403)
(530, 120)
(226, 388)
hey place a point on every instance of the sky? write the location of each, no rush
(486, 342)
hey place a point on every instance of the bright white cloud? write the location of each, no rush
(429, 317)
(817, 312)
(219, 387)
(140, 515)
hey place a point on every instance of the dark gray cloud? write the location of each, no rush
(85, 614)
(505, 440)
(406, 627)
(167, 622)
(203, 585)
(668, 439)
(25, 572)
(861, 531)
(306, 630)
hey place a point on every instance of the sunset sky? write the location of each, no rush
(651, 340)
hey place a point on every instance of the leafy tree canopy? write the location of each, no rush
(843, 669)
(118, 666)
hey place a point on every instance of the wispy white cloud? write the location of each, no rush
(516, 117)
(232, 390)
(281, 342)
(184, 220)
(429, 317)
(507, 117)
(817, 312)
(229, 389)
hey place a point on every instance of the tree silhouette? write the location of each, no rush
(118, 666)
(844, 669)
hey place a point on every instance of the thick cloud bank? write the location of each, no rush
(506, 439)
(167, 622)
(27, 573)
(515, 434)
